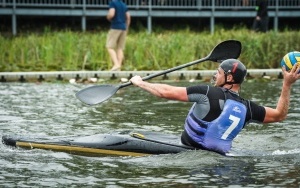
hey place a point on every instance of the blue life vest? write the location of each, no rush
(218, 134)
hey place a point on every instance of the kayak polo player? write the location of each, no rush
(219, 113)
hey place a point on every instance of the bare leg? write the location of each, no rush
(114, 58)
(120, 56)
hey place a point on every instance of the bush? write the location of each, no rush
(73, 51)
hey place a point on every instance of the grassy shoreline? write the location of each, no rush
(73, 51)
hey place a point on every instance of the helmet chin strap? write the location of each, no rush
(230, 83)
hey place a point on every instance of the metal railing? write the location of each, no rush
(154, 4)
(148, 8)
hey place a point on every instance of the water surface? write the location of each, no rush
(263, 155)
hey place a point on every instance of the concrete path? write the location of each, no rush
(82, 76)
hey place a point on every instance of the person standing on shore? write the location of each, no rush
(261, 20)
(119, 17)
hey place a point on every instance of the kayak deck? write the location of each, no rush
(125, 143)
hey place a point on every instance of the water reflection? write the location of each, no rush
(263, 155)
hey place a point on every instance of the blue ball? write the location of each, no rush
(290, 59)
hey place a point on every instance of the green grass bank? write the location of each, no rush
(73, 51)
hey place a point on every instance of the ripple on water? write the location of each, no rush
(264, 154)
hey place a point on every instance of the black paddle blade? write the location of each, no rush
(226, 50)
(96, 94)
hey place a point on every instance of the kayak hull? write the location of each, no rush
(125, 143)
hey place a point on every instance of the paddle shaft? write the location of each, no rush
(167, 71)
(97, 94)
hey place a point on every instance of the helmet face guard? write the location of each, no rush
(236, 68)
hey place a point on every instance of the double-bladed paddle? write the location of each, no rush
(99, 93)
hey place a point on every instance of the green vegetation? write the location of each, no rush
(73, 51)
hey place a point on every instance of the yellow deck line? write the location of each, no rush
(77, 149)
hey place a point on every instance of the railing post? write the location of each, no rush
(72, 3)
(14, 19)
(276, 16)
(83, 17)
(3, 3)
(149, 16)
(212, 17)
(199, 4)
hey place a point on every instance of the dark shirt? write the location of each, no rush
(119, 20)
(262, 6)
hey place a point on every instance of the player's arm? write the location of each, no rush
(280, 112)
(161, 90)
